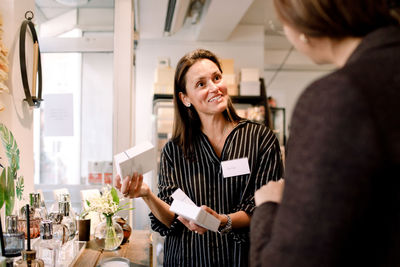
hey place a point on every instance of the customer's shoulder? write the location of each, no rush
(333, 86)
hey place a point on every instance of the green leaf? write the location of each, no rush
(10, 192)
(127, 209)
(19, 187)
(2, 187)
(114, 195)
(88, 203)
(11, 147)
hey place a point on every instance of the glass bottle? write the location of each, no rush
(60, 231)
(40, 210)
(14, 240)
(61, 198)
(29, 259)
(34, 222)
(68, 220)
(47, 247)
(67, 197)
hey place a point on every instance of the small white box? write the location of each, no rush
(250, 88)
(184, 206)
(233, 89)
(229, 78)
(140, 158)
(249, 75)
(163, 88)
(164, 75)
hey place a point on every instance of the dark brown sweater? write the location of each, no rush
(341, 205)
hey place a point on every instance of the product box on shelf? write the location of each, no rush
(250, 88)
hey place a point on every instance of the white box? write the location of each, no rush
(184, 206)
(227, 66)
(233, 89)
(229, 78)
(164, 75)
(250, 88)
(249, 75)
(140, 158)
(160, 88)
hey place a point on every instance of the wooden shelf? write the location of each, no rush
(254, 100)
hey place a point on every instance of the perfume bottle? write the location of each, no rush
(29, 259)
(14, 240)
(47, 247)
(34, 222)
(67, 197)
(68, 220)
(61, 198)
(39, 208)
(60, 231)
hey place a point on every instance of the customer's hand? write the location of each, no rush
(132, 187)
(271, 192)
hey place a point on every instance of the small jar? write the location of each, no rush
(14, 240)
(29, 259)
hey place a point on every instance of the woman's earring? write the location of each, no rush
(303, 38)
(188, 105)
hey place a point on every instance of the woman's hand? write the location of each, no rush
(271, 192)
(192, 226)
(132, 187)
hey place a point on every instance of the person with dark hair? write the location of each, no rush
(208, 135)
(339, 204)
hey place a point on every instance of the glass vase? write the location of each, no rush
(109, 234)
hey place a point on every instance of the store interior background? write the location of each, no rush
(98, 36)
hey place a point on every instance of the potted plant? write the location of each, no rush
(109, 234)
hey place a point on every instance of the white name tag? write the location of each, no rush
(235, 167)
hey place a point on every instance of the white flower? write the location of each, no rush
(107, 203)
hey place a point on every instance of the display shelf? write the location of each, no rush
(253, 100)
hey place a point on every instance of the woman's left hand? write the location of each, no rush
(192, 226)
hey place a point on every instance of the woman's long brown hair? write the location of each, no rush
(187, 124)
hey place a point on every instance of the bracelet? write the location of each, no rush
(228, 226)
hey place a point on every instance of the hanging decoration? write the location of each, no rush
(33, 96)
(3, 65)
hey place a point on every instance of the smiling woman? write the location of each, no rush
(209, 141)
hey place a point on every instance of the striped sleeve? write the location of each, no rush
(166, 187)
(268, 166)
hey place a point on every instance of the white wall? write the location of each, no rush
(287, 86)
(17, 115)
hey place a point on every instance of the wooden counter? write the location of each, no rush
(138, 250)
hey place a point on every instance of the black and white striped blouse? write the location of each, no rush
(202, 180)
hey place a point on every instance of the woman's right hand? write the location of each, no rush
(132, 187)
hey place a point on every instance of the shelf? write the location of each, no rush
(254, 100)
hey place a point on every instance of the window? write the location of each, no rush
(74, 126)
